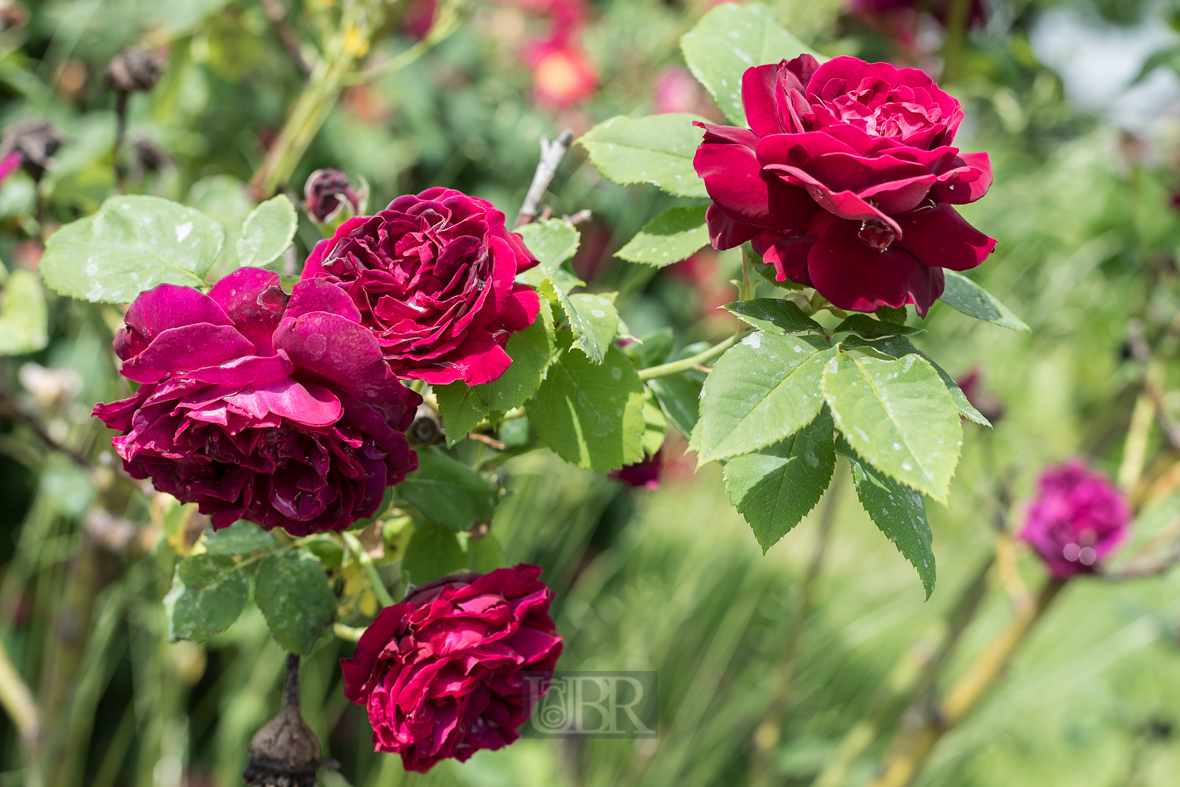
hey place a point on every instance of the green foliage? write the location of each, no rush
(594, 321)
(774, 315)
(552, 242)
(24, 317)
(293, 594)
(898, 415)
(591, 414)
(866, 326)
(968, 297)
(132, 244)
(668, 238)
(657, 149)
(240, 538)
(730, 39)
(774, 488)
(899, 347)
(679, 396)
(448, 492)
(899, 512)
(267, 232)
(433, 552)
(208, 594)
(762, 390)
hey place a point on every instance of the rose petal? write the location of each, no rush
(184, 349)
(940, 237)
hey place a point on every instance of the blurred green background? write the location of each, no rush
(1086, 147)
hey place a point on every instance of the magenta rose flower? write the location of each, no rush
(433, 278)
(259, 406)
(442, 673)
(846, 181)
(1076, 520)
(328, 191)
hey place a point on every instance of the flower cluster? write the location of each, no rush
(845, 181)
(1076, 520)
(442, 673)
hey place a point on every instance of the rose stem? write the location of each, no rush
(688, 364)
(769, 730)
(551, 155)
(290, 41)
(911, 748)
(121, 100)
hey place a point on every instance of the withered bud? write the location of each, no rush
(13, 15)
(328, 191)
(285, 752)
(35, 140)
(426, 429)
(137, 69)
(147, 157)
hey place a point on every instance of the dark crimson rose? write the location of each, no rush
(327, 191)
(845, 181)
(1076, 520)
(433, 278)
(259, 406)
(645, 473)
(441, 674)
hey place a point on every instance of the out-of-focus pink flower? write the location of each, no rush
(419, 17)
(645, 474)
(9, 165)
(1076, 520)
(562, 76)
(676, 90)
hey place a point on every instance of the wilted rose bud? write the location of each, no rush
(285, 752)
(1076, 520)
(137, 69)
(35, 140)
(330, 195)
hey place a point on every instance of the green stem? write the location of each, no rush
(358, 551)
(688, 364)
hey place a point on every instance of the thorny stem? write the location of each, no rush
(689, 364)
(551, 155)
(767, 735)
(912, 747)
(358, 551)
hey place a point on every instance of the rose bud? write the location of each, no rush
(846, 181)
(331, 198)
(442, 673)
(433, 278)
(134, 70)
(285, 752)
(1076, 520)
(35, 141)
(259, 406)
(645, 473)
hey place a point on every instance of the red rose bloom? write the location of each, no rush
(433, 278)
(845, 181)
(441, 674)
(258, 406)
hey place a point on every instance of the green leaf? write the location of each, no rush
(968, 297)
(898, 415)
(240, 538)
(679, 396)
(552, 241)
(657, 149)
(226, 199)
(652, 349)
(294, 595)
(329, 550)
(594, 321)
(669, 237)
(776, 487)
(208, 594)
(866, 326)
(132, 244)
(655, 424)
(899, 347)
(591, 414)
(433, 552)
(24, 318)
(762, 390)
(448, 491)
(267, 232)
(728, 40)
(774, 315)
(899, 512)
(462, 407)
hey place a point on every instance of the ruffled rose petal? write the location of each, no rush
(184, 349)
(940, 238)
